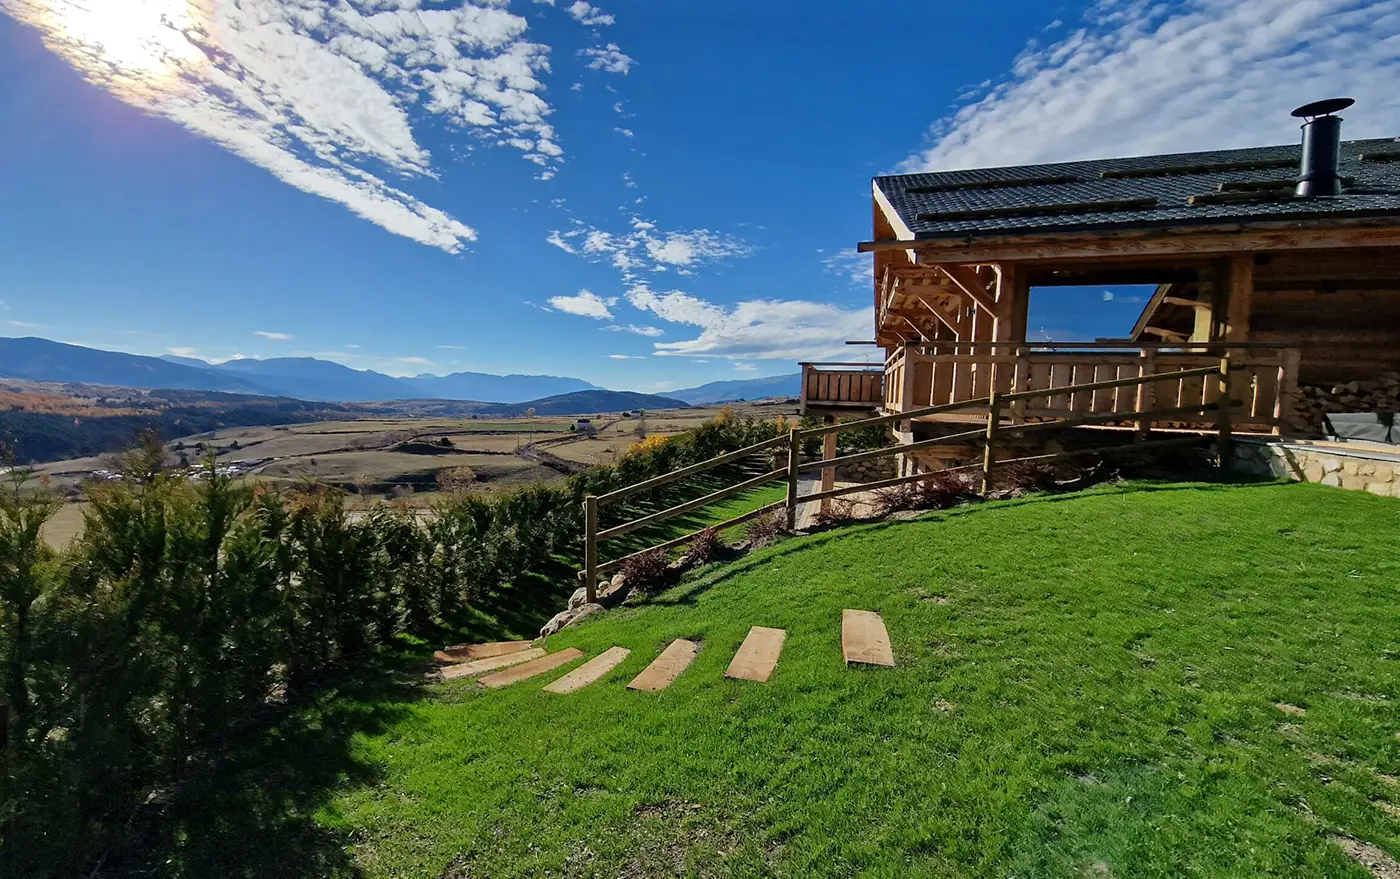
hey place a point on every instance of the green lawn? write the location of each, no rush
(1087, 685)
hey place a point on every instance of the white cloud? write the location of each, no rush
(452, 347)
(624, 357)
(609, 59)
(647, 249)
(587, 13)
(320, 93)
(182, 351)
(851, 265)
(740, 366)
(635, 329)
(585, 304)
(625, 132)
(276, 337)
(414, 361)
(558, 241)
(28, 325)
(755, 329)
(1140, 78)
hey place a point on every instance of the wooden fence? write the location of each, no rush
(1000, 423)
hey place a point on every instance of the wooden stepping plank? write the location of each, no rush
(666, 667)
(758, 654)
(531, 668)
(589, 672)
(490, 663)
(468, 652)
(864, 639)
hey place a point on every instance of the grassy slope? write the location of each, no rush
(1086, 686)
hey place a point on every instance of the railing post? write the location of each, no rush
(1223, 400)
(794, 450)
(908, 379)
(590, 547)
(1285, 388)
(988, 453)
(828, 452)
(1146, 391)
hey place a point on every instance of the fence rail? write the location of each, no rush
(1217, 399)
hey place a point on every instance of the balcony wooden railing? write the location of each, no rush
(1264, 380)
(842, 386)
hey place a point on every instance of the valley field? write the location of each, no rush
(403, 458)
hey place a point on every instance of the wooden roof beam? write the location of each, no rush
(1165, 335)
(972, 284)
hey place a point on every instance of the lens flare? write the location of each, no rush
(137, 41)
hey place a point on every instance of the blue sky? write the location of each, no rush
(644, 194)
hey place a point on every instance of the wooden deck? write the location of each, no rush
(918, 376)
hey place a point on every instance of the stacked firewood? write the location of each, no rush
(1313, 401)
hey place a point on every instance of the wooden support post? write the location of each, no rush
(1239, 300)
(590, 547)
(1286, 387)
(1020, 381)
(908, 381)
(988, 451)
(1224, 398)
(794, 453)
(1146, 392)
(828, 452)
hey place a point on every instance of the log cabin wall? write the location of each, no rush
(1341, 307)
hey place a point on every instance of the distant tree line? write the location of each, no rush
(184, 605)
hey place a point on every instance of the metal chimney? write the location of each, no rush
(1322, 147)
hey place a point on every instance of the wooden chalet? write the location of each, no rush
(1283, 260)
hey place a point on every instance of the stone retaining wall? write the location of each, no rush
(1377, 472)
(869, 471)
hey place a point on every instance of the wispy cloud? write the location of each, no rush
(850, 265)
(1138, 78)
(756, 329)
(636, 329)
(276, 337)
(452, 347)
(585, 303)
(625, 357)
(182, 351)
(318, 92)
(28, 325)
(645, 248)
(609, 59)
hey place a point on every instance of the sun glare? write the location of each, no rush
(144, 39)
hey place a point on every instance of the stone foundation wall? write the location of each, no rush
(1377, 473)
(869, 471)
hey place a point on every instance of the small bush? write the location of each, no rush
(648, 573)
(840, 510)
(703, 548)
(938, 492)
(1027, 476)
(768, 528)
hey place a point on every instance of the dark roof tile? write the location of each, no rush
(1064, 196)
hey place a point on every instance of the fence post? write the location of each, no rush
(590, 547)
(1223, 399)
(794, 452)
(1146, 391)
(988, 453)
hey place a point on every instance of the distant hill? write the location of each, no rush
(308, 378)
(43, 360)
(589, 402)
(305, 378)
(742, 389)
(498, 388)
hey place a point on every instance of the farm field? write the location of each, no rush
(402, 458)
(1141, 680)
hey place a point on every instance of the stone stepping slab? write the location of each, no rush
(589, 672)
(864, 639)
(666, 667)
(490, 663)
(530, 669)
(469, 652)
(758, 655)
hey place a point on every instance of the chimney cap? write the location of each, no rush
(1323, 108)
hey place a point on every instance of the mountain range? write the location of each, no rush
(309, 378)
